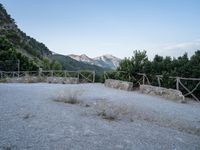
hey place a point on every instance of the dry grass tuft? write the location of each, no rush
(27, 116)
(68, 96)
(109, 111)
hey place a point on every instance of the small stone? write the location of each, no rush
(182, 101)
(87, 105)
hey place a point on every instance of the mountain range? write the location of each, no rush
(105, 61)
(16, 45)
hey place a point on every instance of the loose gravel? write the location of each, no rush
(30, 119)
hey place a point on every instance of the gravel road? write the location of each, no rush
(30, 119)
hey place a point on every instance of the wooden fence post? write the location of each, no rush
(1, 75)
(78, 75)
(93, 76)
(18, 70)
(51, 73)
(104, 74)
(143, 79)
(158, 78)
(177, 83)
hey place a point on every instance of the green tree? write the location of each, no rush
(56, 65)
(129, 67)
(46, 63)
(194, 65)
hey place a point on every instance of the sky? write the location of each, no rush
(117, 27)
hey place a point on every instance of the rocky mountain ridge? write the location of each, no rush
(104, 61)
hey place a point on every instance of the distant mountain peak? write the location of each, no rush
(105, 61)
(108, 55)
(83, 55)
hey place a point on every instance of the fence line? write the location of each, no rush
(145, 80)
(179, 83)
(87, 75)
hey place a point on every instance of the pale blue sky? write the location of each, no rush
(96, 27)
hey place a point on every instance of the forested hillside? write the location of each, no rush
(16, 45)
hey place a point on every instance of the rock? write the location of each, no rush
(36, 79)
(117, 84)
(183, 101)
(25, 79)
(63, 80)
(163, 92)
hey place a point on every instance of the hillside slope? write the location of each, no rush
(33, 51)
(23, 43)
(71, 64)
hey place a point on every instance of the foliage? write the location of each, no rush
(129, 67)
(8, 52)
(56, 65)
(46, 63)
(166, 66)
(23, 47)
(34, 50)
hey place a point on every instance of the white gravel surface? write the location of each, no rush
(31, 119)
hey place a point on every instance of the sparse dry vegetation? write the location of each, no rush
(27, 116)
(68, 96)
(110, 111)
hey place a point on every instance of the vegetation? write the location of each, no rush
(56, 65)
(70, 97)
(165, 66)
(181, 66)
(109, 111)
(31, 52)
(46, 63)
(16, 45)
(8, 52)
